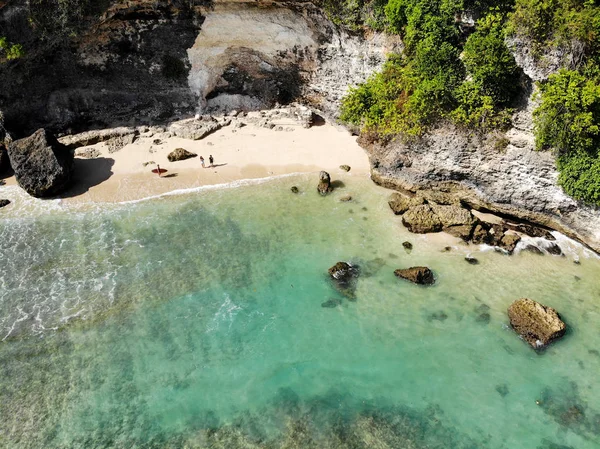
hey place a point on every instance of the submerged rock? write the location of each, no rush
(295, 189)
(400, 203)
(341, 271)
(180, 154)
(330, 304)
(324, 186)
(537, 324)
(43, 166)
(417, 275)
(407, 246)
(346, 168)
(346, 199)
(4, 203)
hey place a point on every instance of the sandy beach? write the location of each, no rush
(249, 152)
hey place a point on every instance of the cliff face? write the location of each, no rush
(501, 173)
(147, 61)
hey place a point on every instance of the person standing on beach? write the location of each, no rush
(202, 161)
(211, 161)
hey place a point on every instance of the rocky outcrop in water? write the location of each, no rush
(344, 277)
(43, 166)
(180, 154)
(537, 324)
(4, 203)
(324, 186)
(416, 275)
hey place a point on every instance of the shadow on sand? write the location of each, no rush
(216, 165)
(89, 173)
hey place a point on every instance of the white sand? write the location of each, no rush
(250, 152)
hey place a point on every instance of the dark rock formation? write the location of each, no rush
(4, 203)
(554, 249)
(341, 271)
(295, 189)
(4, 161)
(533, 249)
(401, 203)
(422, 220)
(324, 186)
(43, 166)
(346, 168)
(417, 275)
(407, 246)
(471, 260)
(537, 324)
(180, 154)
(529, 230)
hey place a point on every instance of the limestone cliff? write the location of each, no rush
(147, 61)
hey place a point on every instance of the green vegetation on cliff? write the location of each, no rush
(447, 71)
(453, 71)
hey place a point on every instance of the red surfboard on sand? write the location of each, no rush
(156, 170)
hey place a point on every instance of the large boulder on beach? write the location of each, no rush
(324, 186)
(456, 220)
(43, 166)
(180, 154)
(417, 275)
(422, 220)
(400, 203)
(537, 324)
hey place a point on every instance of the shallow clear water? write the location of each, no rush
(196, 321)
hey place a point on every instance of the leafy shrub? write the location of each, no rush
(557, 22)
(490, 63)
(11, 51)
(569, 114)
(568, 120)
(580, 176)
(432, 81)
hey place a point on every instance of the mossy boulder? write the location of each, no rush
(416, 275)
(537, 324)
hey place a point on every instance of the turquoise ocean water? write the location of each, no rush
(196, 321)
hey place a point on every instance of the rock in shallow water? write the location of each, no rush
(43, 166)
(344, 277)
(537, 324)
(330, 304)
(417, 275)
(346, 168)
(324, 186)
(4, 203)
